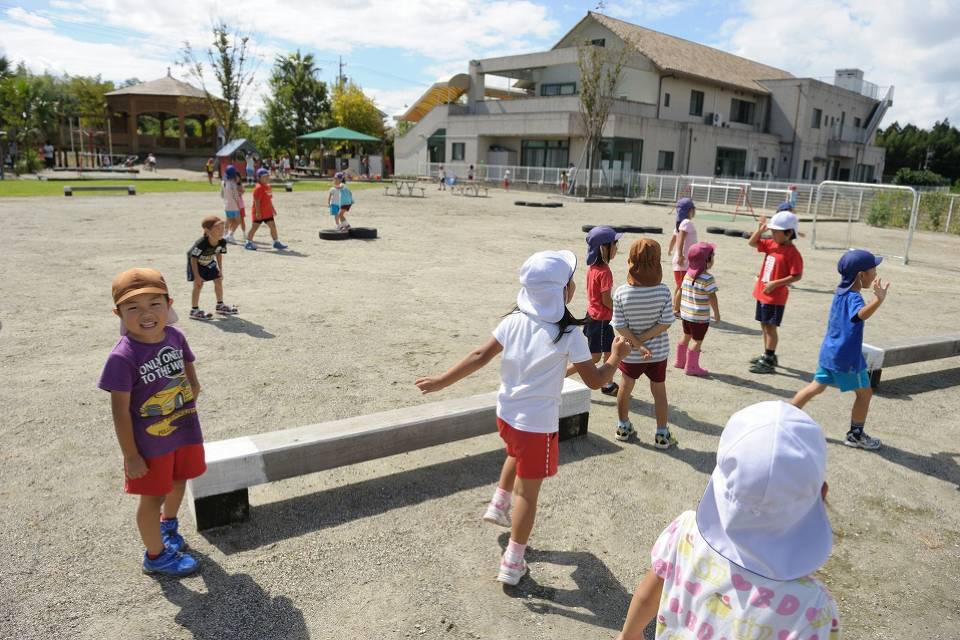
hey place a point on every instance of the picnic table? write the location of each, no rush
(468, 187)
(399, 183)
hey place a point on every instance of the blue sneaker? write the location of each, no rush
(170, 563)
(279, 246)
(250, 245)
(171, 537)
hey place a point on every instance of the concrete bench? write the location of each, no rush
(220, 495)
(129, 188)
(908, 351)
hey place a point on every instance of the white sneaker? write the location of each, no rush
(511, 572)
(497, 516)
(229, 238)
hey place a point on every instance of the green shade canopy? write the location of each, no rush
(338, 133)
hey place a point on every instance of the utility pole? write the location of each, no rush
(340, 77)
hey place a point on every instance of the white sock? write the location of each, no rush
(501, 499)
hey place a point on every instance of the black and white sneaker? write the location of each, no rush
(863, 441)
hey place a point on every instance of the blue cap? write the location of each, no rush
(851, 264)
(785, 206)
(262, 172)
(597, 237)
(231, 172)
(683, 208)
(338, 175)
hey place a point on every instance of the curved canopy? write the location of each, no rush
(450, 91)
(338, 133)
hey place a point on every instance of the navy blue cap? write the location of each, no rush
(599, 236)
(231, 172)
(851, 264)
(262, 172)
(785, 206)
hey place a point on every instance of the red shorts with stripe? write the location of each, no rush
(537, 454)
(183, 464)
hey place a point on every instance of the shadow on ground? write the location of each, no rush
(729, 327)
(737, 381)
(942, 466)
(234, 606)
(236, 324)
(906, 387)
(598, 591)
(304, 514)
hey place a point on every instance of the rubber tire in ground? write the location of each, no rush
(520, 203)
(333, 234)
(586, 228)
(652, 229)
(535, 204)
(363, 233)
(554, 205)
(747, 234)
(629, 228)
(733, 233)
(717, 230)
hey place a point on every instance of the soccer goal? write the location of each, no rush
(878, 217)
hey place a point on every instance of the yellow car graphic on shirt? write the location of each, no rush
(169, 399)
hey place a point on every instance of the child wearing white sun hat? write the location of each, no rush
(739, 567)
(537, 340)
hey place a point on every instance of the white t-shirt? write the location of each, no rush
(532, 368)
(707, 596)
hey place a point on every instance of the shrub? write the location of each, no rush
(27, 162)
(920, 178)
(933, 209)
(890, 210)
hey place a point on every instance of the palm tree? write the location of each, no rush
(299, 102)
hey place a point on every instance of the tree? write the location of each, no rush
(910, 147)
(298, 103)
(228, 58)
(5, 69)
(29, 106)
(600, 70)
(352, 109)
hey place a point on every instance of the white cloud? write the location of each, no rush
(914, 46)
(393, 102)
(23, 16)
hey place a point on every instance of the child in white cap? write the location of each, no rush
(739, 567)
(841, 363)
(537, 340)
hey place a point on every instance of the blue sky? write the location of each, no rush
(396, 48)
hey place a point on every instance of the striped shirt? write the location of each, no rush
(695, 297)
(639, 309)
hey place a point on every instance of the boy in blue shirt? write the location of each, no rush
(841, 362)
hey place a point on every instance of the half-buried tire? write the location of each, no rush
(747, 234)
(333, 234)
(535, 204)
(363, 233)
(733, 233)
(586, 228)
(652, 229)
(554, 205)
(717, 230)
(520, 203)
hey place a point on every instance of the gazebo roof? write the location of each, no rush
(166, 86)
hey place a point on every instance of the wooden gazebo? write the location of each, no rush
(163, 100)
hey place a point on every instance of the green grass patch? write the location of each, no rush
(31, 188)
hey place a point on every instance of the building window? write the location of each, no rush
(696, 103)
(741, 111)
(599, 42)
(665, 161)
(856, 123)
(806, 170)
(558, 89)
(666, 99)
(817, 116)
(761, 165)
(459, 150)
(544, 153)
(814, 175)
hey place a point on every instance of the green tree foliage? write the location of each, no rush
(910, 147)
(920, 178)
(351, 108)
(229, 62)
(5, 68)
(30, 106)
(298, 103)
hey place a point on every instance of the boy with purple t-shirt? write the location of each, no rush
(153, 388)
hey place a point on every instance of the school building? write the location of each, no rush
(681, 108)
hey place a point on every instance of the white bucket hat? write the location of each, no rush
(783, 221)
(763, 509)
(542, 278)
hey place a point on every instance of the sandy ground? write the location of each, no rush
(395, 548)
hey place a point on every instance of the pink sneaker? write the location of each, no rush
(511, 572)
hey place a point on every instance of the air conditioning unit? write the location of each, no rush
(715, 120)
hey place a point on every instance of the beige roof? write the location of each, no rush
(166, 86)
(687, 58)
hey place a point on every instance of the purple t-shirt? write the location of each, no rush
(162, 406)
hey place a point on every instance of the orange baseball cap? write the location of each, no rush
(133, 282)
(210, 221)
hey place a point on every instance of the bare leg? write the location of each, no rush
(694, 344)
(218, 289)
(526, 492)
(685, 340)
(861, 405)
(253, 231)
(770, 337)
(623, 397)
(660, 405)
(806, 394)
(508, 474)
(148, 522)
(195, 294)
(172, 501)
(273, 229)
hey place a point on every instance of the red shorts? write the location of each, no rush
(537, 454)
(696, 330)
(678, 277)
(183, 464)
(655, 371)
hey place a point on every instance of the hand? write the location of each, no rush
(762, 224)
(135, 467)
(716, 317)
(681, 260)
(428, 384)
(196, 388)
(770, 287)
(621, 348)
(644, 352)
(880, 290)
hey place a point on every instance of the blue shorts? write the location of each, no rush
(850, 381)
(599, 335)
(231, 214)
(249, 171)
(334, 209)
(769, 313)
(207, 273)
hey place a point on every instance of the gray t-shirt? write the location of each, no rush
(639, 309)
